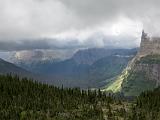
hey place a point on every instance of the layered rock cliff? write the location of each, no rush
(149, 45)
(143, 72)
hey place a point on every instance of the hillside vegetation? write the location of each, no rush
(140, 75)
(27, 100)
(150, 59)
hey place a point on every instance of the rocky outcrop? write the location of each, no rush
(149, 45)
(143, 72)
(144, 68)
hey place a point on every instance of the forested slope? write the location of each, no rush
(27, 100)
(22, 99)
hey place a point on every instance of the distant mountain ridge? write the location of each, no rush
(6, 67)
(89, 56)
(87, 68)
(12, 69)
(9, 68)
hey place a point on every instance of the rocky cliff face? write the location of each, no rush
(149, 45)
(147, 59)
(143, 72)
(152, 71)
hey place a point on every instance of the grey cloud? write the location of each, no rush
(36, 44)
(32, 44)
(23, 45)
(111, 8)
(42, 17)
(34, 20)
(95, 11)
(97, 40)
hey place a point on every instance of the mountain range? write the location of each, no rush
(118, 70)
(12, 69)
(9, 68)
(88, 68)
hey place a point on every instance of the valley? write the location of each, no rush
(90, 68)
(120, 84)
(79, 60)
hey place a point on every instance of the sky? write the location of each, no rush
(76, 24)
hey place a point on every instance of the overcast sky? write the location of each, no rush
(68, 24)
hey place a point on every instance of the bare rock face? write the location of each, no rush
(152, 71)
(150, 46)
(143, 71)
